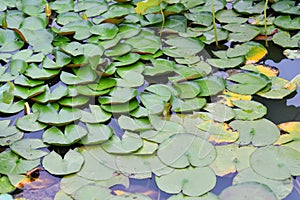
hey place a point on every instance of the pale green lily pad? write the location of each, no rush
(226, 63)
(26, 93)
(201, 18)
(61, 195)
(219, 132)
(148, 148)
(285, 39)
(229, 16)
(128, 143)
(118, 95)
(66, 17)
(187, 105)
(211, 85)
(260, 132)
(82, 75)
(94, 170)
(248, 7)
(247, 83)
(29, 148)
(275, 162)
(191, 181)
(51, 96)
(12, 164)
(51, 116)
(219, 112)
(127, 59)
(130, 79)
(140, 167)
(7, 130)
(231, 158)
(131, 124)
(285, 22)
(81, 28)
(105, 31)
(249, 110)
(128, 196)
(207, 196)
(281, 188)
(92, 191)
(96, 115)
(187, 90)
(72, 134)
(6, 141)
(14, 107)
(35, 72)
(29, 123)
(9, 41)
(246, 191)
(33, 23)
(145, 42)
(97, 134)
(209, 36)
(26, 82)
(121, 107)
(286, 7)
(91, 8)
(119, 50)
(241, 33)
(73, 101)
(280, 88)
(160, 67)
(183, 150)
(55, 164)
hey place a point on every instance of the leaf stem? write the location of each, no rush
(163, 21)
(214, 21)
(265, 22)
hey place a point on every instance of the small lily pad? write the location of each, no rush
(188, 104)
(191, 181)
(182, 150)
(260, 132)
(118, 95)
(72, 134)
(55, 164)
(9, 41)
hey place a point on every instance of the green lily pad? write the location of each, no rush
(248, 7)
(51, 96)
(187, 90)
(247, 83)
(128, 30)
(275, 162)
(188, 104)
(153, 103)
(207, 196)
(122, 107)
(82, 75)
(7, 130)
(29, 123)
(191, 181)
(209, 36)
(145, 42)
(74, 101)
(211, 85)
(280, 88)
(229, 16)
(285, 22)
(29, 148)
(241, 33)
(92, 169)
(91, 8)
(35, 72)
(118, 95)
(286, 7)
(129, 142)
(97, 134)
(105, 31)
(285, 40)
(92, 191)
(219, 132)
(33, 23)
(26, 93)
(55, 164)
(131, 124)
(186, 147)
(249, 110)
(260, 132)
(141, 167)
(14, 107)
(66, 17)
(279, 187)
(119, 50)
(50, 115)
(9, 41)
(219, 112)
(127, 59)
(11, 163)
(246, 191)
(160, 67)
(201, 18)
(231, 158)
(5, 186)
(6, 141)
(81, 28)
(72, 134)
(130, 79)
(225, 63)
(96, 115)
(291, 132)
(27, 82)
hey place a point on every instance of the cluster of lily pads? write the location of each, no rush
(185, 118)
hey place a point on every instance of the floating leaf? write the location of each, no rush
(50, 96)
(9, 41)
(247, 83)
(121, 108)
(55, 164)
(5, 186)
(130, 79)
(241, 33)
(160, 67)
(12, 108)
(82, 75)
(246, 191)
(248, 7)
(291, 54)
(284, 39)
(187, 90)
(6, 130)
(97, 133)
(260, 132)
(275, 162)
(211, 85)
(12, 164)
(182, 150)
(92, 191)
(255, 53)
(29, 148)
(249, 110)
(72, 134)
(225, 63)
(188, 104)
(207, 196)
(142, 7)
(81, 28)
(263, 69)
(131, 124)
(219, 112)
(280, 188)
(287, 7)
(119, 50)
(219, 132)
(191, 181)
(30, 123)
(96, 115)
(118, 95)
(285, 22)
(229, 16)
(291, 129)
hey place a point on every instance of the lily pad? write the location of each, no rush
(72, 134)
(285, 22)
(29, 123)
(131, 124)
(121, 107)
(80, 76)
(246, 191)
(187, 90)
(249, 110)
(96, 115)
(7, 130)
(191, 181)
(248, 7)
(97, 134)
(247, 83)
(188, 104)
(190, 150)
(119, 50)
(29, 148)
(282, 159)
(219, 112)
(211, 85)
(225, 63)
(9, 41)
(118, 95)
(55, 164)
(6, 186)
(260, 132)
(14, 107)
(291, 129)
(285, 39)
(105, 31)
